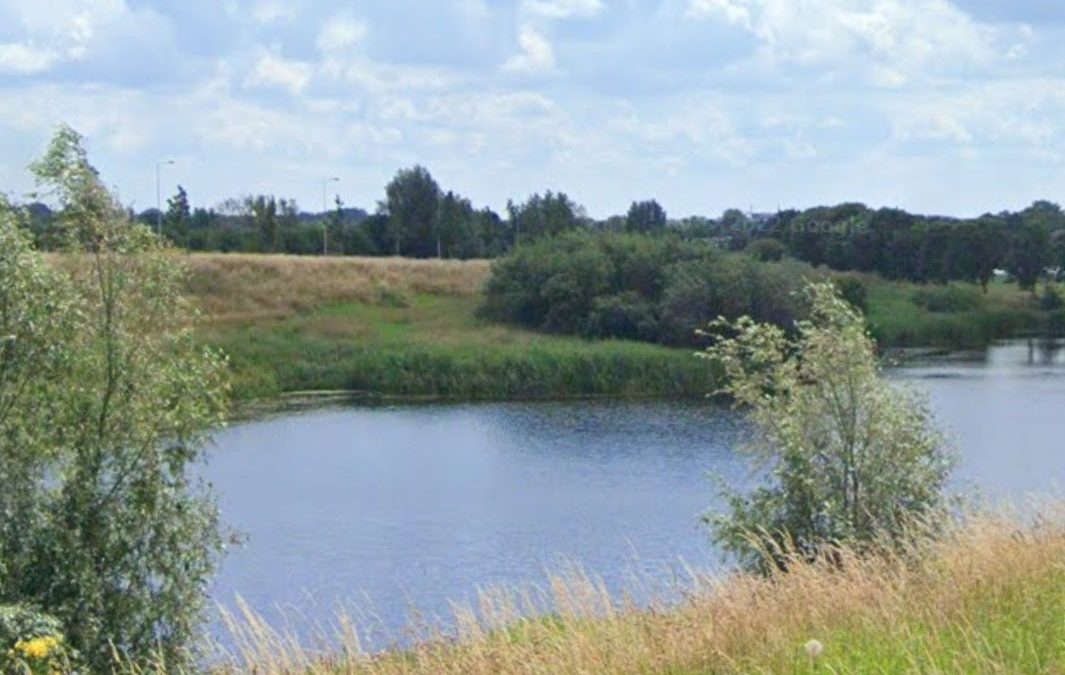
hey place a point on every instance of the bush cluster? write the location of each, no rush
(655, 289)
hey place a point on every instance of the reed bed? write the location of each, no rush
(988, 597)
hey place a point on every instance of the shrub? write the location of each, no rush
(105, 405)
(1050, 300)
(852, 458)
(767, 250)
(32, 642)
(947, 299)
(625, 315)
(853, 290)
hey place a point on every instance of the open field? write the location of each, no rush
(989, 598)
(401, 327)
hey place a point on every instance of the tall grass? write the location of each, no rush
(233, 287)
(987, 597)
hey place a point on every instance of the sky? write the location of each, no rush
(955, 107)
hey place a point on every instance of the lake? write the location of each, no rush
(392, 507)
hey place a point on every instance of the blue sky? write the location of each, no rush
(946, 106)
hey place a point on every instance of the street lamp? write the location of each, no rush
(159, 196)
(325, 212)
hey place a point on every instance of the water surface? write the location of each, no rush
(413, 506)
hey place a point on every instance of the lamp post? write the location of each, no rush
(325, 212)
(159, 196)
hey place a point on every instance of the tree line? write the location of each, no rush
(417, 218)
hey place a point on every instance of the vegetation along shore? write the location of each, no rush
(416, 328)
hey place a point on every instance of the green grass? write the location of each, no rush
(436, 347)
(897, 317)
(393, 327)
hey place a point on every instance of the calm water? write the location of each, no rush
(406, 506)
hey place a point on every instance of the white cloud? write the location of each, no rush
(733, 11)
(341, 32)
(23, 59)
(57, 31)
(563, 9)
(271, 70)
(536, 56)
(272, 11)
(884, 42)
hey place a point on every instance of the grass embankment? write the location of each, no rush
(990, 598)
(953, 316)
(405, 328)
(400, 327)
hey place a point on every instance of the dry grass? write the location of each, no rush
(990, 598)
(246, 287)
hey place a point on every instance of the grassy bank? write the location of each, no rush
(402, 327)
(406, 328)
(990, 598)
(954, 316)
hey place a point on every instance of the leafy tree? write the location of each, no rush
(1029, 252)
(105, 403)
(646, 217)
(852, 458)
(177, 218)
(263, 211)
(412, 201)
(543, 216)
(766, 250)
(456, 237)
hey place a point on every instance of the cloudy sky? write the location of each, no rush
(947, 106)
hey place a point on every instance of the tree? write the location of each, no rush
(105, 404)
(455, 228)
(646, 217)
(177, 218)
(543, 216)
(1029, 252)
(852, 458)
(412, 201)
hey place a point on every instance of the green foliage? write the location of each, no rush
(852, 459)
(436, 348)
(767, 250)
(412, 205)
(105, 403)
(647, 217)
(32, 643)
(543, 216)
(177, 218)
(853, 290)
(632, 286)
(947, 299)
(1050, 300)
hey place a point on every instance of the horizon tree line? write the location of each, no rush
(417, 218)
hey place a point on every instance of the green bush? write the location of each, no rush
(831, 481)
(106, 404)
(947, 299)
(1050, 300)
(767, 250)
(658, 289)
(853, 290)
(32, 643)
(625, 315)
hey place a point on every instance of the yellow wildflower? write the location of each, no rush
(37, 648)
